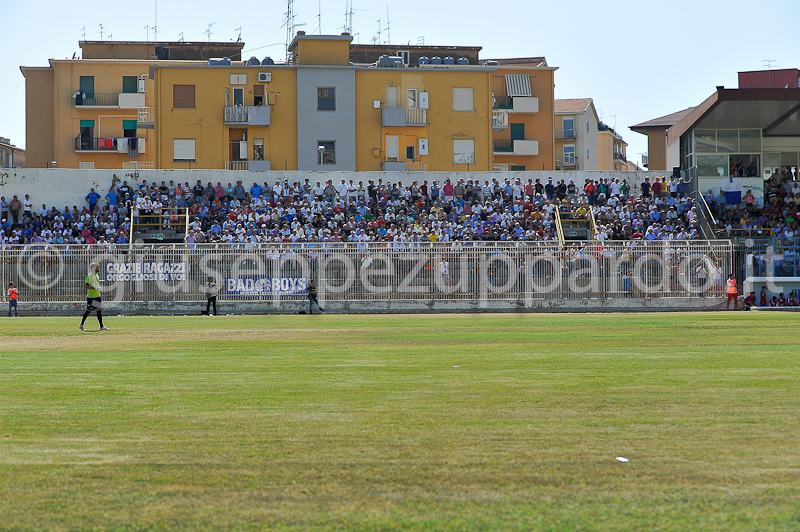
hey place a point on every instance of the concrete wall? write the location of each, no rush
(338, 125)
(62, 186)
(667, 304)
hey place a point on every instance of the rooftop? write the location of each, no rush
(573, 106)
(662, 121)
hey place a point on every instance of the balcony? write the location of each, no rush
(516, 104)
(620, 157)
(403, 166)
(258, 115)
(237, 165)
(515, 147)
(146, 118)
(402, 117)
(108, 145)
(644, 160)
(568, 164)
(125, 100)
(566, 134)
(499, 120)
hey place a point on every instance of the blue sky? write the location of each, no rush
(637, 59)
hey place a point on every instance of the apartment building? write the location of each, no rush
(10, 155)
(611, 149)
(137, 106)
(576, 134)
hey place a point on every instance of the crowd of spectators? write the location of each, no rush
(777, 218)
(456, 210)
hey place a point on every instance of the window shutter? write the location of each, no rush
(183, 97)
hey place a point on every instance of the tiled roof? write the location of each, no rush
(663, 121)
(577, 105)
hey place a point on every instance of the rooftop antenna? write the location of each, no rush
(84, 33)
(291, 27)
(379, 32)
(239, 38)
(155, 25)
(319, 16)
(421, 40)
(101, 31)
(208, 31)
(180, 37)
(388, 31)
(348, 17)
(147, 29)
(768, 64)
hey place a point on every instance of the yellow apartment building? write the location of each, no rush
(174, 108)
(523, 114)
(611, 150)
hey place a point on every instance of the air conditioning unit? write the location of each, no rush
(264, 77)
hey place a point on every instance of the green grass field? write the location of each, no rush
(420, 422)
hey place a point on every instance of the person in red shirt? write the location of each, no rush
(733, 293)
(763, 300)
(773, 302)
(782, 300)
(12, 299)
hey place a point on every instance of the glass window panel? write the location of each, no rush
(712, 165)
(750, 140)
(727, 140)
(705, 141)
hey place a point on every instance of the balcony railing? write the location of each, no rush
(500, 145)
(413, 166)
(237, 165)
(620, 156)
(146, 114)
(644, 160)
(562, 134)
(502, 102)
(399, 117)
(98, 99)
(499, 119)
(111, 145)
(252, 115)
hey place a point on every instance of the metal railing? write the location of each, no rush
(469, 271)
(562, 134)
(416, 116)
(502, 102)
(95, 144)
(236, 114)
(499, 118)
(173, 219)
(98, 99)
(237, 165)
(415, 166)
(502, 145)
(146, 114)
(620, 156)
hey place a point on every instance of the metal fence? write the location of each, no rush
(374, 272)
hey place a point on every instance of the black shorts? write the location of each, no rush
(93, 303)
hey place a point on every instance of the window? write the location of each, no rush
(569, 127)
(569, 155)
(392, 148)
(411, 100)
(326, 152)
(87, 86)
(326, 99)
(258, 95)
(183, 97)
(463, 99)
(391, 96)
(129, 128)
(405, 55)
(258, 149)
(238, 96)
(587, 125)
(183, 150)
(410, 153)
(464, 151)
(238, 79)
(130, 84)
(587, 153)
